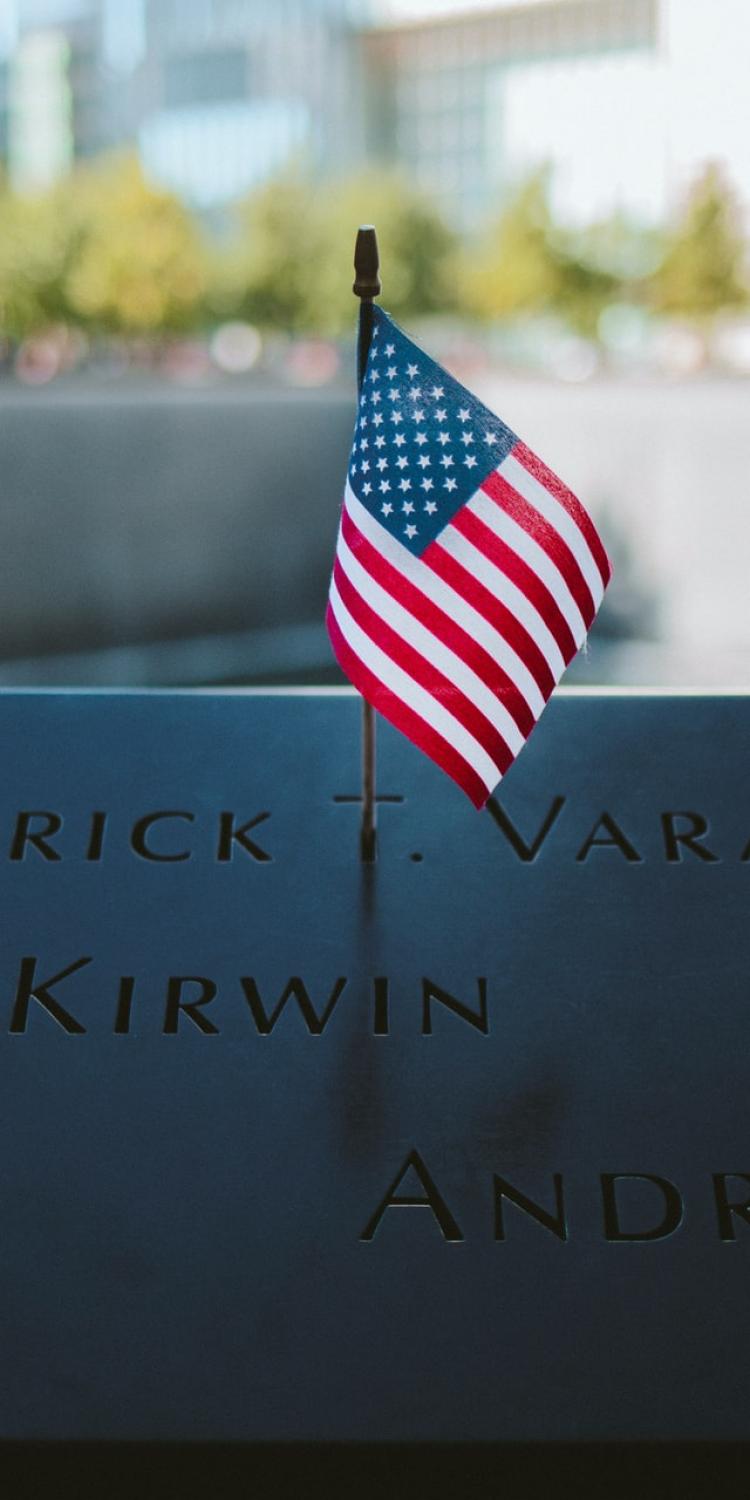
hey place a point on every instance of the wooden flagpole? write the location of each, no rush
(366, 286)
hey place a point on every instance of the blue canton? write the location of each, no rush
(422, 444)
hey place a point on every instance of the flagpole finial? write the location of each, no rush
(366, 263)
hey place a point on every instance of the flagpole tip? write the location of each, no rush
(366, 263)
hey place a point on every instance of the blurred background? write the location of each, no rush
(561, 190)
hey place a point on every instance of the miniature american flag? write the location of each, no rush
(466, 574)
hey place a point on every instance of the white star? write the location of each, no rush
(374, 375)
(446, 461)
(411, 371)
(390, 349)
(423, 461)
(382, 464)
(390, 373)
(407, 507)
(443, 437)
(364, 445)
(364, 466)
(414, 391)
(464, 414)
(354, 447)
(380, 441)
(440, 414)
(420, 439)
(354, 468)
(404, 484)
(430, 507)
(410, 531)
(396, 416)
(376, 398)
(399, 439)
(384, 486)
(377, 419)
(450, 484)
(394, 394)
(438, 391)
(490, 437)
(418, 416)
(363, 421)
(426, 484)
(366, 488)
(386, 507)
(402, 462)
(467, 437)
(470, 461)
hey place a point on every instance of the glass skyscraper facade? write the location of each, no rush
(219, 95)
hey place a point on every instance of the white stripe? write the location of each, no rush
(501, 588)
(446, 598)
(412, 694)
(434, 650)
(526, 548)
(557, 515)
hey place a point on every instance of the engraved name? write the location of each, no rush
(174, 835)
(125, 1004)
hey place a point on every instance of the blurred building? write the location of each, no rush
(470, 102)
(230, 91)
(54, 106)
(218, 95)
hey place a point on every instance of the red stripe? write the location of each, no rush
(481, 598)
(498, 552)
(404, 718)
(543, 532)
(400, 651)
(440, 624)
(572, 505)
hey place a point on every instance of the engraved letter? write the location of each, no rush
(138, 837)
(525, 851)
(175, 1004)
(672, 1217)
(689, 836)
(554, 1222)
(475, 1018)
(315, 1023)
(28, 990)
(229, 835)
(725, 1209)
(616, 840)
(23, 835)
(430, 1199)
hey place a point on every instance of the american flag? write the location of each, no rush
(466, 574)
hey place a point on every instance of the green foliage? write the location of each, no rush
(528, 265)
(36, 251)
(514, 270)
(105, 251)
(267, 275)
(108, 252)
(140, 265)
(291, 264)
(594, 268)
(417, 250)
(704, 269)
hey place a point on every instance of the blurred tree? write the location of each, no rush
(291, 266)
(37, 245)
(139, 264)
(269, 273)
(514, 268)
(704, 269)
(418, 251)
(596, 266)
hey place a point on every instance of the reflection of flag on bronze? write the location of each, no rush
(466, 574)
